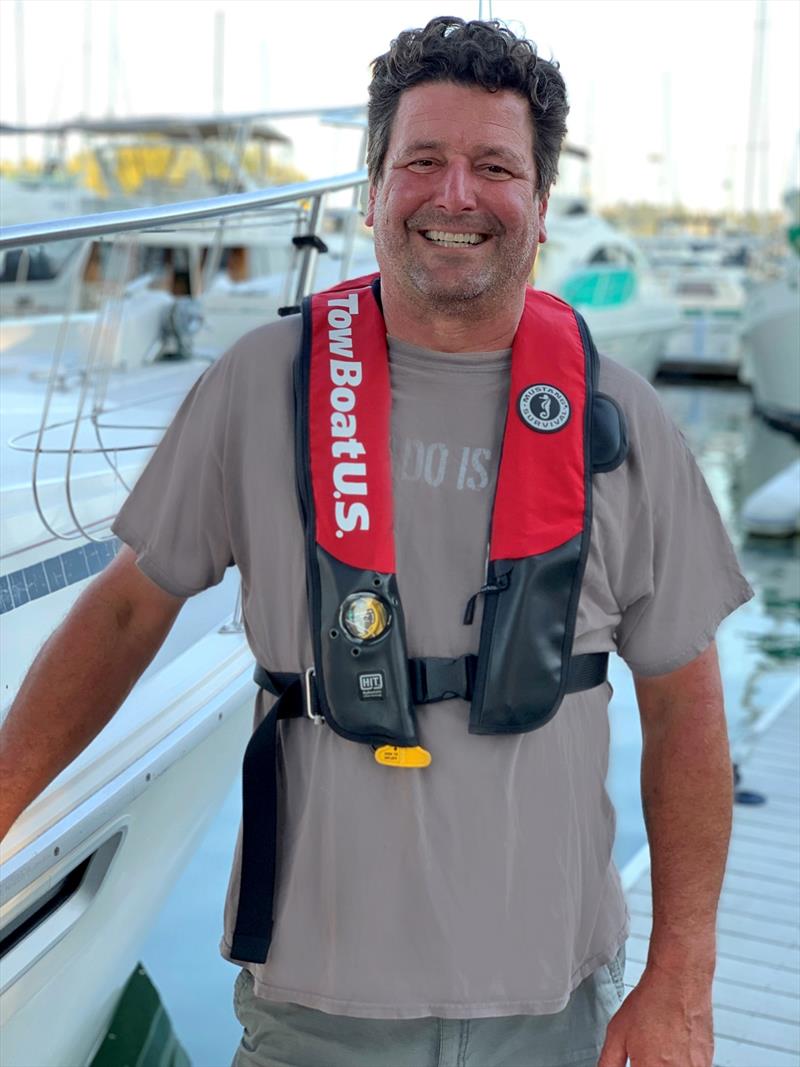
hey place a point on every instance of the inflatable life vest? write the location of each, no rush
(559, 432)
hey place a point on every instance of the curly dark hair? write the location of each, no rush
(486, 54)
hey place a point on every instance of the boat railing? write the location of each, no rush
(148, 218)
(121, 229)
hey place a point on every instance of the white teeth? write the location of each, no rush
(440, 237)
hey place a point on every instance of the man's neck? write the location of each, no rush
(472, 331)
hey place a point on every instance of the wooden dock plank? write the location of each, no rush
(758, 888)
(767, 816)
(736, 996)
(734, 1053)
(767, 928)
(770, 835)
(765, 853)
(761, 975)
(738, 945)
(733, 903)
(774, 812)
(758, 1029)
(775, 872)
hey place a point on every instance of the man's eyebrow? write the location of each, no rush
(482, 151)
(501, 152)
(421, 146)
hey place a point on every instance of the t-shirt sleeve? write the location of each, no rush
(694, 580)
(175, 518)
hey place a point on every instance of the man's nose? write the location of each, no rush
(457, 191)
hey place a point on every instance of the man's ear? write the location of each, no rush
(370, 216)
(542, 208)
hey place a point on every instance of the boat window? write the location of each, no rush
(739, 257)
(39, 263)
(603, 287)
(613, 254)
(695, 287)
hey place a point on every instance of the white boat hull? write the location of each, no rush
(122, 820)
(77, 978)
(772, 339)
(636, 341)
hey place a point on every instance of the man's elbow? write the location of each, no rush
(136, 602)
(691, 694)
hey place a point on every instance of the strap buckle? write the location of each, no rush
(434, 679)
(308, 697)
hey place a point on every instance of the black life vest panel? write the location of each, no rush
(559, 431)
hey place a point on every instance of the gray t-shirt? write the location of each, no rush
(482, 885)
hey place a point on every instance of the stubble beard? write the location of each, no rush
(473, 294)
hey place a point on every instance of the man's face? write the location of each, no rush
(455, 213)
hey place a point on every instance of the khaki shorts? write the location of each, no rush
(289, 1035)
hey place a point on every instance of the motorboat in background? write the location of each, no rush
(708, 345)
(139, 162)
(87, 866)
(601, 271)
(709, 278)
(771, 335)
(238, 270)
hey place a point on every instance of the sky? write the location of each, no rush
(659, 89)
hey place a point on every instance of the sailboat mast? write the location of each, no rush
(86, 102)
(219, 60)
(19, 27)
(756, 135)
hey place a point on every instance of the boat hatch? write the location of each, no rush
(51, 907)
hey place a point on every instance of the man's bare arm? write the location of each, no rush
(80, 678)
(687, 794)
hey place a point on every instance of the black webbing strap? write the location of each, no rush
(587, 671)
(432, 679)
(253, 930)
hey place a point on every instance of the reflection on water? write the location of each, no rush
(737, 453)
(140, 1033)
(759, 647)
(766, 452)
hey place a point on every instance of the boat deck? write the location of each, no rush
(756, 990)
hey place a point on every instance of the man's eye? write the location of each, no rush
(495, 170)
(423, 164)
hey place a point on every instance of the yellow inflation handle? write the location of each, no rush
(393, 756)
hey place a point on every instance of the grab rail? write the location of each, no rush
(108, 222)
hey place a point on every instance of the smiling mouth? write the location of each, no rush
(453, 240)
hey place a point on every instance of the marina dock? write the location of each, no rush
(756, 989)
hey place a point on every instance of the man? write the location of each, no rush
(466, 912)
